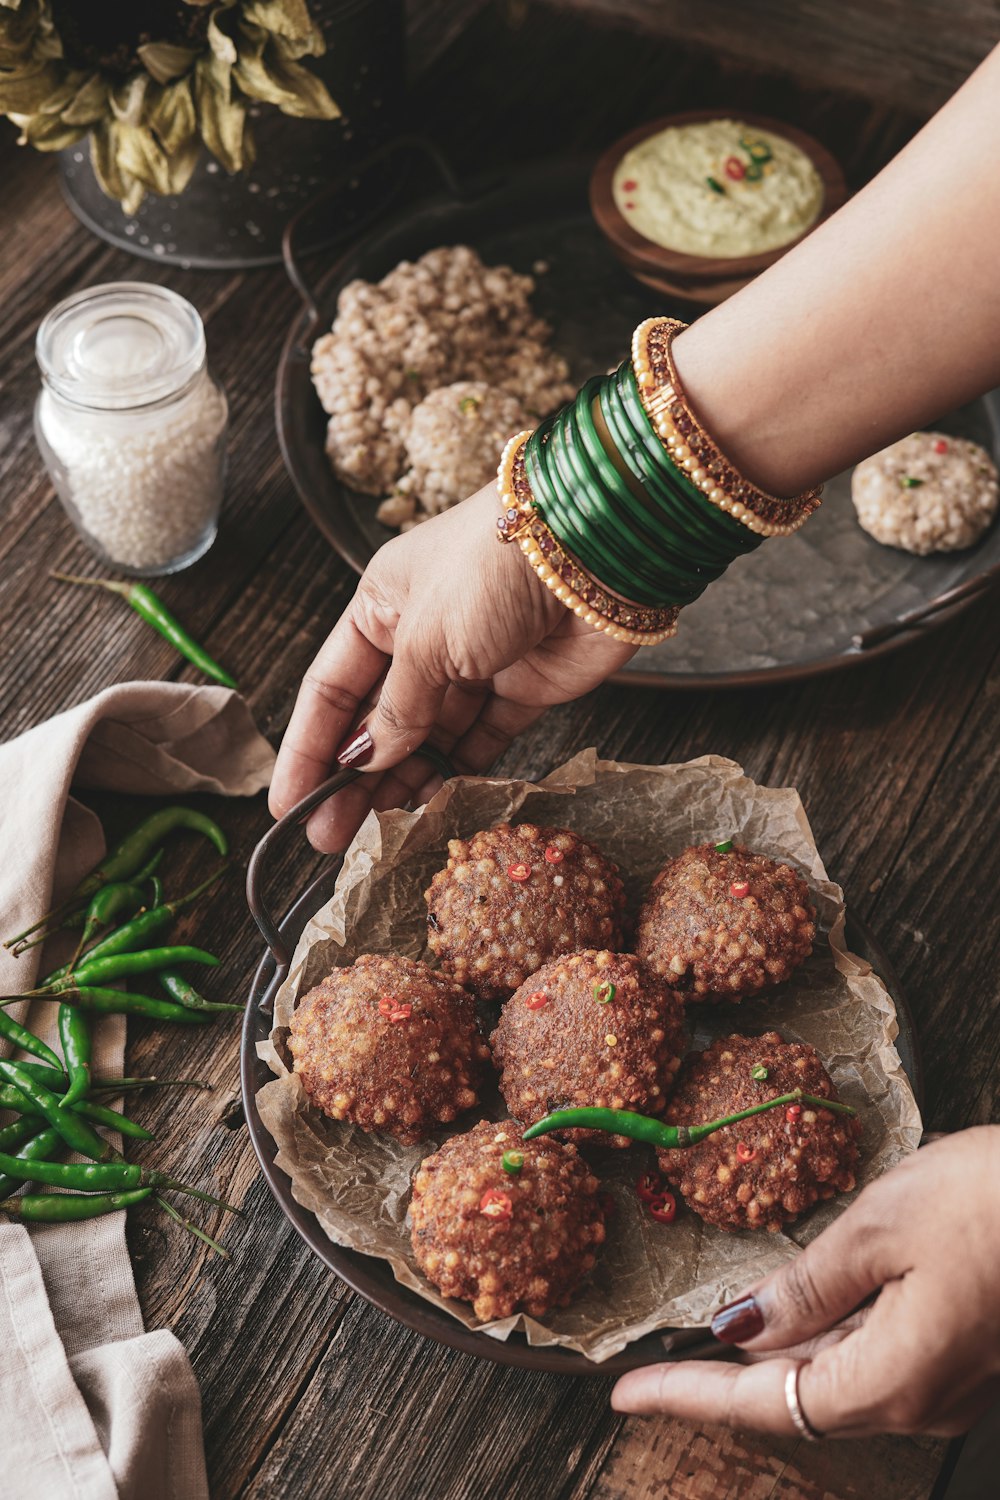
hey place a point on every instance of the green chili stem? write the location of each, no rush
(168, 1208)
(151, 608)
(667, 1137)
(183, 1187)
(129, 856)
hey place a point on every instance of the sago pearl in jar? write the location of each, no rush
(131, 424)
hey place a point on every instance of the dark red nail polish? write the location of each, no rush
(738, 1321)
(357, 749)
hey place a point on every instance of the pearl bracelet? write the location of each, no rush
(691, 449)
(561, 572)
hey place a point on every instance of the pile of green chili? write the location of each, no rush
(123, 919)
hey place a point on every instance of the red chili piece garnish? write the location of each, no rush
(553, 856)
(744, 1152)
(630, 186)
(940, 446)
(536, 1000)
(664, 1208)
(735, 168)
(739, 889)
(793, 1113)
(496, 1205)
(630, 207)
(386, 1005)
(519, 873)
(649, 1187)
(401, 1012)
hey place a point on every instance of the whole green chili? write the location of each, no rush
(94, 1177)
(74, 1035)
(78, 1134)
(17, 1132)
(68, 1208)
(122, 898)
(42, 1145)
(120, 965)
(16, 1098)
(108, 1002)
(150, 607)
(130, 855)
(185, 994)
(19, 1036)
(137, 933)
(666, 1137)
(58, 1082)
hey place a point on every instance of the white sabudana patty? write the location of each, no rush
(452, 443)
(927, 493)
(429, 323)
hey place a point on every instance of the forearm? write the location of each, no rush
(885, 317)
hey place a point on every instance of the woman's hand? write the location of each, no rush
(450, 637)
(924, 1358)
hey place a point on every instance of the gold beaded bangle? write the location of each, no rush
(693, 451)
(561, 572)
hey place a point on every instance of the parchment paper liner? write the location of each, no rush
(648, 1276)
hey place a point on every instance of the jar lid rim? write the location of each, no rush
(120, 345)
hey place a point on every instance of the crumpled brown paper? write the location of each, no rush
(648, 1276)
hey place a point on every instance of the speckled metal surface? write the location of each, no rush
(793, 607)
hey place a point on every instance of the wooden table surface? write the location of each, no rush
(307, 1389)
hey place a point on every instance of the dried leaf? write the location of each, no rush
(170, 115)
(289, 19)
(262, 74)
(141, 156)
(47, 132)
(221, 119)
(104, 159)
(26, 92)
(18, 34)
(220, 43)
(165, 61)
(129, 98)
(89, 102)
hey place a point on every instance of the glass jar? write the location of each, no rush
(131, 425)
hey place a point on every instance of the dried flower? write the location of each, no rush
(152, 82)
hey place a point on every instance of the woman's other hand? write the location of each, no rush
(925, 1357)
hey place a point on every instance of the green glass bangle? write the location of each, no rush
(648, 522)
(590, 543)
(602, 510)
(558, 513)
(657, 477)
(708, 518)
(670, 514)
(740, 536)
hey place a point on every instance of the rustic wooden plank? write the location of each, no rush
(656, 1457)
(903, 50)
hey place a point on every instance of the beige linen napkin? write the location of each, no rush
(94, 1407)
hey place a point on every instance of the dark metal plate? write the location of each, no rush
(790, 610)
(372, 1277)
